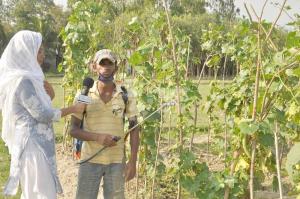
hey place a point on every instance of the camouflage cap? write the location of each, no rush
(105, 54)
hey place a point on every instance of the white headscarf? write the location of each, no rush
(19, 61)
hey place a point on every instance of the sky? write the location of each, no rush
(270, 14)
(61, 2)
(271, 10)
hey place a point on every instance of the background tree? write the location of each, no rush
(36, 15)
(224, 9)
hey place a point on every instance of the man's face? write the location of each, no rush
(106, 68)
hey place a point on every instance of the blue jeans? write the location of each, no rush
(90, 176)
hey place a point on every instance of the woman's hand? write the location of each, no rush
(79, 107)
(49, 89)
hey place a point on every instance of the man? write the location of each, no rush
(103, 122)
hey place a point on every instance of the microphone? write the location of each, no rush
(87, 84)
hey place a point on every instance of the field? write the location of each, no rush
(68, 177)
(58, 127)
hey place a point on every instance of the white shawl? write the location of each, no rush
(18, 62)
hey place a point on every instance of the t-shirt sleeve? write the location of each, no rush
(131, 107)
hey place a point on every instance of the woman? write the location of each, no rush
(27, 118)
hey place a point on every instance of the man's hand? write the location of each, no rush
(106, 140)
(130, 170)
(49, 89)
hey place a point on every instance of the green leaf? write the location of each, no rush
(293, 40)
(293, 109)
(266, 140)
(278, 58)
(278, 115)
(230, 181)
(136, 59)
(293, 158)
(227, 49)
(293, 72)
(248, 127)
(213, 61)
(289, 72)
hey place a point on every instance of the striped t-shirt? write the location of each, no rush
(106, 118)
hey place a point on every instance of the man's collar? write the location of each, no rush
(94, 89)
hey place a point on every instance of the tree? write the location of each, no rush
(38, 15)
(3, 38)
(179, 7)
(224, 9)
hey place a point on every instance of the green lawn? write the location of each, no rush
(4, 169)
(58, 101)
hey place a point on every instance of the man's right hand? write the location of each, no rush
(106, 140)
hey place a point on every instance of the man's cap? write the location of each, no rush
(105, 54)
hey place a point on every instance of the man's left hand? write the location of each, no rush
(130, 170)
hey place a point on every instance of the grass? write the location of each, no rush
(58, 101)
(4, 169)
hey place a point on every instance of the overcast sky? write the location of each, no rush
(270, 14)
(271, 11)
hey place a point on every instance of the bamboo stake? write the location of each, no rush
(195, 126)
(169, 130)
(277, 159)
(236, 154)
(187, 60)
(275, 22)
(224, 69)
(157, 151)
(257, 17)
(225, 138)
(176, 69)
(177, 88)
(264, 30)
(225, 115)
(254, 112)
(137, 185)
(208, 137)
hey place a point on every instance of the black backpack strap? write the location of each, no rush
(124, 96)
(83, 116)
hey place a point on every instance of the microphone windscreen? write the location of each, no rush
(88, 82)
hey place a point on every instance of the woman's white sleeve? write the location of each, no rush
(57, 115)
(30, 101)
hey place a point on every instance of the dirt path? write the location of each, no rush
(67, 172)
